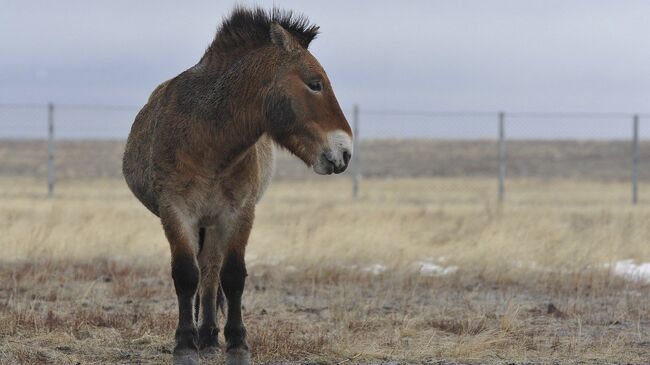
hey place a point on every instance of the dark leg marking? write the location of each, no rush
(210, 260)
(209, 329)
(186, 280)
(233, 279)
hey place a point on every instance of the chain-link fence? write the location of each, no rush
(513, 157)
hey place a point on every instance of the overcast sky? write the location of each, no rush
(427, 55)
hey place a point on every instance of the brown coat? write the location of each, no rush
(200, 155)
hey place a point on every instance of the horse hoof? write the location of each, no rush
(186, 358)
(238, 357)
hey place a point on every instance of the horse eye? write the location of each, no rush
(315, 86)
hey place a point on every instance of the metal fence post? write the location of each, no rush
(50, 150)
(356, 168)
(502, 156)
(635, 159)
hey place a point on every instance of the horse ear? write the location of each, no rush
(280, 37)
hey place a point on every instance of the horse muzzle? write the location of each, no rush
(335, 158)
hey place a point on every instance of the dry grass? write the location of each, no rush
(85, 276)
(599, 160)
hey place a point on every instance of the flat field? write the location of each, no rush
(593, 160)
(417, 270)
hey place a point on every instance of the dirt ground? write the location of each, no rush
(106, 312)
(415, 271)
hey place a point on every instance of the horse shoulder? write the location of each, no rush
(265, 163)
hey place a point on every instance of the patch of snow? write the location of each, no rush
(429, 268)
(628, 269)
(374, 269)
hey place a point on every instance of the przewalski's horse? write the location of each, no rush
(200, 155)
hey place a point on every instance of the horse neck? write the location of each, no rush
(232, 116)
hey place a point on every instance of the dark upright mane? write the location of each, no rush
(250, 28)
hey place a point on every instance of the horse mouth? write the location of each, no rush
(327, 163)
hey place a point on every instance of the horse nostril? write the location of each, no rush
(346, 157)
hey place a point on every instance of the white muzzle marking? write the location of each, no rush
(337, 154)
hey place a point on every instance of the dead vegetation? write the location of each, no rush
(109, 312)
(590, 160)
(84, 278)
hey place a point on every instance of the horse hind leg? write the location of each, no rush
(210, 260)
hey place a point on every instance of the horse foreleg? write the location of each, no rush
(210, 260)
(182, 235)
(233, 278)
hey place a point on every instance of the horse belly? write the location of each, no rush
(136, 163)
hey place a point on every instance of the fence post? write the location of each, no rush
(356, 168)
(50, 150)
(635, 159)
(502, 156)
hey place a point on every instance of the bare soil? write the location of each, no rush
(119, 313)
